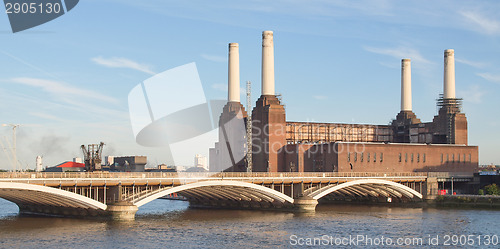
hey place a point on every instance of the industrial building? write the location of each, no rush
(405, 145)
(67, 167)
(200, 161)
(129, 163)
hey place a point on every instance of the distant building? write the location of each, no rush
(164, 168)
(129, 164)
(77, 160)
(180, 168)
(39, 164)
(67, 167)
(200, 161)
(196, 169)
(109, 160)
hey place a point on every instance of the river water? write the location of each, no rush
(171, 224)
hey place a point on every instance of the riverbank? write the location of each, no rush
(469, 201)
(440, 201)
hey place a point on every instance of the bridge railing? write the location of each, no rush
(203, 175)
(451, 174)
(320, 174)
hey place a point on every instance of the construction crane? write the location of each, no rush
(249, 127)
(92, 156)
(13, 147)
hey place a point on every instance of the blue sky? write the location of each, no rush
(67, 81)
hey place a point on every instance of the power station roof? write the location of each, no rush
(71, 165)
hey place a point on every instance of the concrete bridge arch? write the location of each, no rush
(368, 187)
(32, 198)
(220, 190)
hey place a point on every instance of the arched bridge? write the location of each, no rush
(121, 194)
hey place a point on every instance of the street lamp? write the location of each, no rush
(14, 126)
(452, 185)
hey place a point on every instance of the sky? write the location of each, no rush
(66, 82)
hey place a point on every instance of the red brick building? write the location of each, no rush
(380, 157)
(404, 145)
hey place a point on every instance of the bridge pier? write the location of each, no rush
(431, 188)
(302, 203)
(122, 211)
(305, 204)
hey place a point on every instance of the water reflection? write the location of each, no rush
(165, 223)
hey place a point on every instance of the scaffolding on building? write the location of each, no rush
(451, 106)
(249, 127)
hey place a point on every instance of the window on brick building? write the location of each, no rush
(355, 156)
(368, 157)
(399, 157)
(458, 159)
(464, 158)
(406, 157)
(470, 158)
(447, 157)
(423, 159)
(362, 156)
(382, 156)
(453, 158)
(442, 158)
(374, 156)
(411, 157)
(418, 157)
(348, 156)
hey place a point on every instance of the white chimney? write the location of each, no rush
(449, 74)
(234, 73)
(406, 85)
(39, 164)
(267, 63)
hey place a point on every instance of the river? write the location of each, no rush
(171, 224)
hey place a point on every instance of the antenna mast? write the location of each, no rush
(14, 144)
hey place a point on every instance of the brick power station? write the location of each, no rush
(405, 145)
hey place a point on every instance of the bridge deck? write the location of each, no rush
(85, 193)
(96, 179)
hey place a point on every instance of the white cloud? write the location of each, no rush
(47, 116)
(481, 23)
(400, 53)
(62, 90)
(69, 107)
(490, 77)
(118, 62)
(471, 63)
(472, 94)
(214, 58)
(220, 87)
(320, 97)
(390, 65)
